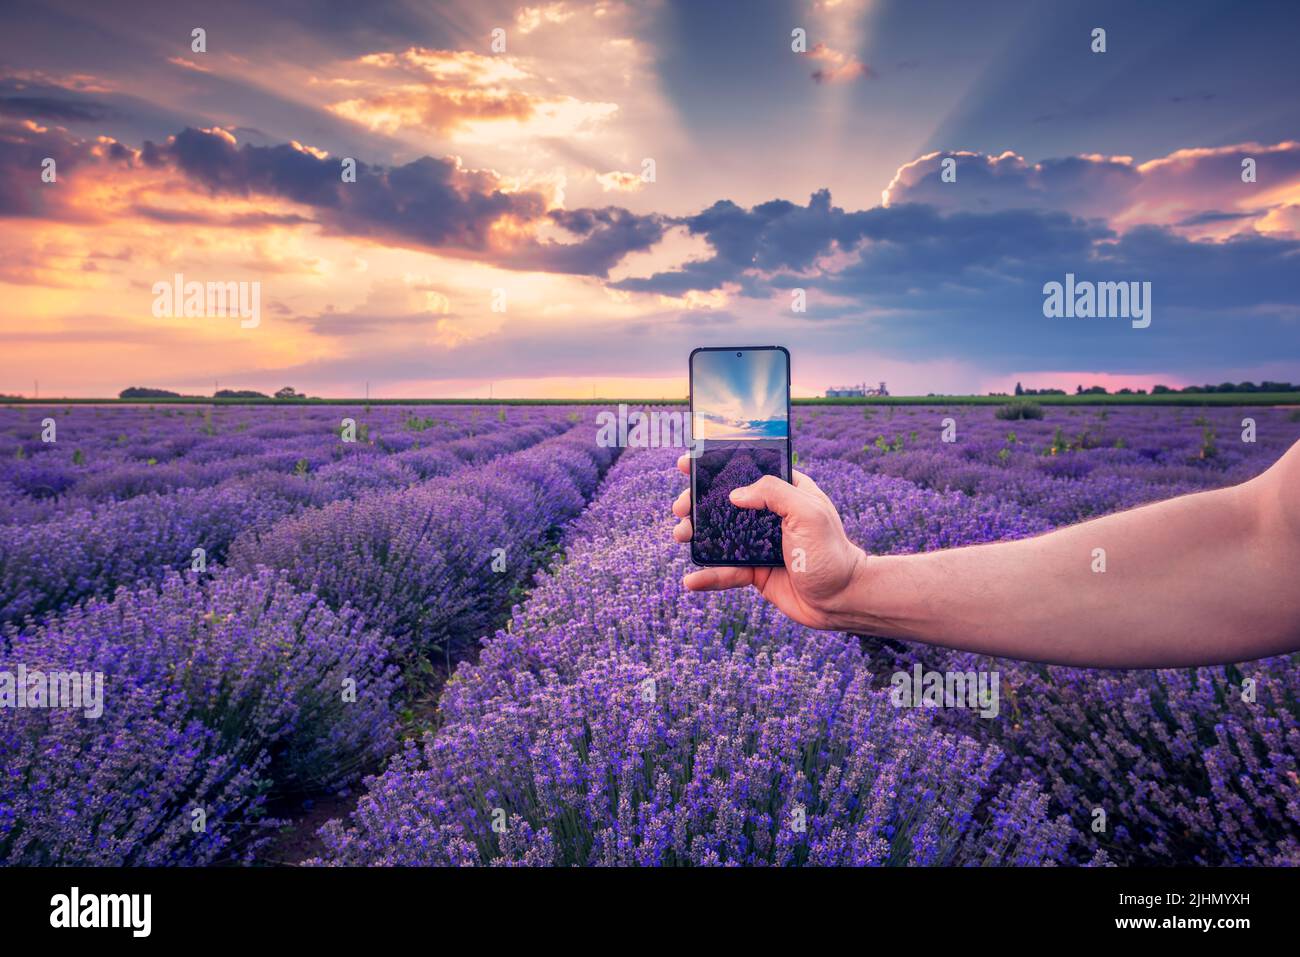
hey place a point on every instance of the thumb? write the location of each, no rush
(768, 492)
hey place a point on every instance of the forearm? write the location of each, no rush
(1194, 580)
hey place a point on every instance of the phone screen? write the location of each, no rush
(740, 431)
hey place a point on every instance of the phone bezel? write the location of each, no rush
(789, 443)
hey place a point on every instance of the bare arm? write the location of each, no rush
(1208, 578)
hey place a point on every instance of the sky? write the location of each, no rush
(563, 199)
(739, 395)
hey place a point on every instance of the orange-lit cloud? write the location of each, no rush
(620, 182)
(461, 94)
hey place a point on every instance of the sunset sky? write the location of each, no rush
(517, 179)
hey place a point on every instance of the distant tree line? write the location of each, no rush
(142, 392)
(1232, 387)
(1165, 390)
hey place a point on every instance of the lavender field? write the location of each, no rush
(466, 630)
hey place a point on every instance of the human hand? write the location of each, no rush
(822, 567)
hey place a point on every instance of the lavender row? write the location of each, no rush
(112, 454)
(92, 550)
(618, 720)
(432, 565)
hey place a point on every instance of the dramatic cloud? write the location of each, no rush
(1086, 186)
(772, 236)
(429, 203)
(1199, 191)
(24, 149)
(455, 92)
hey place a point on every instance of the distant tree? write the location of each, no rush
(1125, 391)
(287, 392)
(1078, 390)
(239, 394)
(1095, 390)
(140, 392)
(1160, 390)
(1019, 389)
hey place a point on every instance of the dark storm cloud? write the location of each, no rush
(775, 235)
(779, 238)
(915, 254)
(430, 202)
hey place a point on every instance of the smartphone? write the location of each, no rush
(740, 431)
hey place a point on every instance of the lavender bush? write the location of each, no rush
(218, 694)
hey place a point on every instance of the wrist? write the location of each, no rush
(846, 611)
(872, 602)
